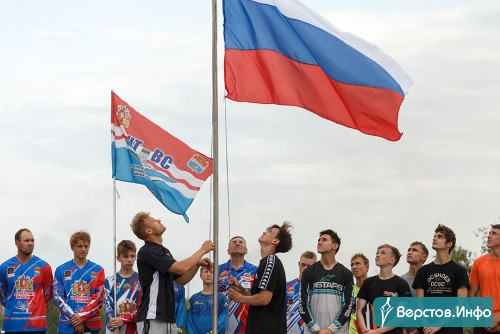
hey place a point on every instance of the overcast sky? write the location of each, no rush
(60, 60)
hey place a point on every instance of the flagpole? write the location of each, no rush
(114, 245)
(215, 189)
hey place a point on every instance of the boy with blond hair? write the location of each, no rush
(385, 284)
(79, 289)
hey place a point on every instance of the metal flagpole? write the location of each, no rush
(114, 244)
(215, 144)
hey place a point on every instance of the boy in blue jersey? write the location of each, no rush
(79, 289)
(25, 288)
(123, 316)
(294, 322)
(199, 314)
(244, 273)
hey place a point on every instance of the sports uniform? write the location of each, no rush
(25, 291)
(271, 318)
(199, 314)
(128, 297)
(294, 322)
(326, 297)
(237, 313)
(79, 290)
(158, 297)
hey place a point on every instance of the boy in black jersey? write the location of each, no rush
(267, 298)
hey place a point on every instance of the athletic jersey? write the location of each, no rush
(326, 297)
(270, 318)
(128, 297)
(25, 291)
(353, 328)
(180, 307)
(374, 287)
(442, 280)
(237, 313)
(79, 290)
(199, 314)
(486, 275)
(294, 322)
(158, 298)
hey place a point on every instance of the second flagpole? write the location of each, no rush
(215, 188)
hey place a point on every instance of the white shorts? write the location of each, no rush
(156, 327)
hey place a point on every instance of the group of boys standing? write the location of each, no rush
(440, 278)
(323, 299)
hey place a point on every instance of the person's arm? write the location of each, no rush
(359, 315)
(235, 285)
(188, 276)
(473, 291)
(184, 266)
(262, 298)
(304, 307)
(47, 284)
(462, 291)
(419, 292)
(60, 295)
(109, 303)
(345, 313)
(3, 286)
(188, 267)
(97, 299)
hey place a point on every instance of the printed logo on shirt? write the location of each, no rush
(67, 275)
(290, 301)
(247, 277)
(93, 276)
(327, 278)
(24, 283)
(126, 307)
(24, 288)
(10, 272)
(80, 288)
(439, 283)
(223, 275)
(37, 271)
(390, 294)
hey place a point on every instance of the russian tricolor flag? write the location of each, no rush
(280, 52)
